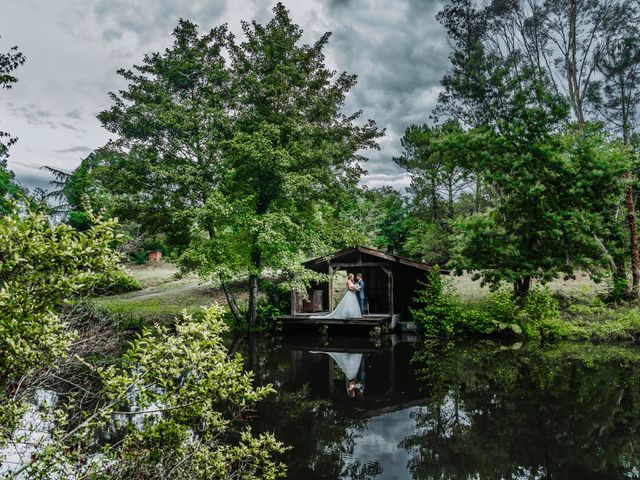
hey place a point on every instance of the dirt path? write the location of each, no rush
(164, 290)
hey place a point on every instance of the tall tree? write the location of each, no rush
(437, 183)
(617, 100)
(378, 215)
(517, 145)
(567, 41)
(578, 31)
(8, 187)
(242, 162)
(75, 195)
(548, 216)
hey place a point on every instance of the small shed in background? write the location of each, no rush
(154, 256)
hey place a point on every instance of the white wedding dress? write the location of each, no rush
(349, 307)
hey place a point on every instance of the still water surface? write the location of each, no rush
(408, 409)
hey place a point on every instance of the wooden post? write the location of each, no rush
(330, 295)
(390, 286)
(293, 302)
(389, 273)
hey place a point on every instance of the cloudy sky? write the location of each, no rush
(73, 48)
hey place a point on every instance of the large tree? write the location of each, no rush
(8, 187)
(566, 42)
(238, 151)
(548, 216)
(550, 184)
(438, 182)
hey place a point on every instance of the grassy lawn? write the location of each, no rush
(162, 296)
(582, 288)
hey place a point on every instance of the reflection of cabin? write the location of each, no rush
(390, 285)
(388, 385)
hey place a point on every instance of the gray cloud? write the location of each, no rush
(77, 149)
(74, 48)
(400, 55)
(41, 117)
(147, 19)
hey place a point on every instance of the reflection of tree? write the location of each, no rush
(322, 437)
(563, 412)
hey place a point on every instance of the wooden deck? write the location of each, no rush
(303, 319)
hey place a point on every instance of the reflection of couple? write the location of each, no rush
(352, 304)
(352, 365)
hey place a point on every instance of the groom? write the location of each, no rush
(360, 293)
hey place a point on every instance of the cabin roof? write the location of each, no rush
(388, 257)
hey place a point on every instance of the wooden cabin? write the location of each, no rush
(390, 285)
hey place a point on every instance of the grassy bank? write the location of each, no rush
(573, 310)
(562, 310)
(162, 297)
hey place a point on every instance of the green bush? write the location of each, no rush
(540, 314)
(115, 282)
(276, 300)
(189, 402)
(439, 311)
(42, 267)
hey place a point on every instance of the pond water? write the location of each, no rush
(408, 409)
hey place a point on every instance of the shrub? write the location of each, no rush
(276, 300)
(188, 401)
(540, 314)
(42, 266)
(439, 311)
(115, 282)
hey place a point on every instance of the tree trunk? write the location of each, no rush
(232, 302)
(253, 300)
(521, 286)
(633, 238)
(477, 196)
(620, 287)
(253, 287)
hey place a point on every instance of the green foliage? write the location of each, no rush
(555, 186)
(115, 282)
(239, 153)
(41, 267)
(81, 192)
(186, 404)
(275, 301)
(551, 209)
(204, 396)
(430, 242)
(439, 313)
(379, 217)
(9, 189)
(539, 314)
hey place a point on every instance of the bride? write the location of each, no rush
(349, 307)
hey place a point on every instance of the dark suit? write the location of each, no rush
(360, 295)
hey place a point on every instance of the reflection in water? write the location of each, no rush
(352, 366)
(450, 411)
